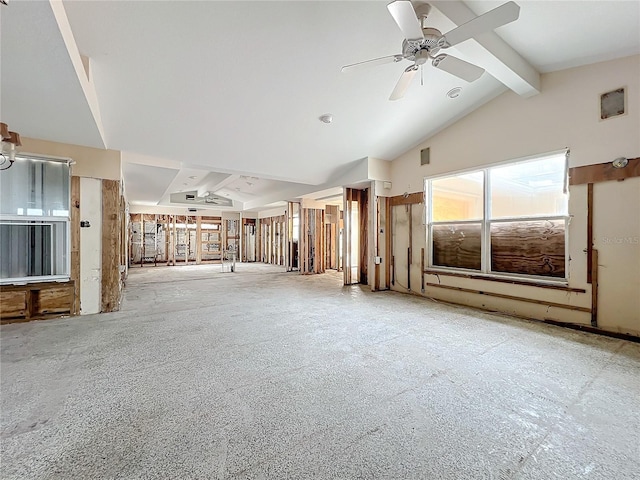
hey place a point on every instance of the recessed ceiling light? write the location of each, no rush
(454, 92)
(326, 118)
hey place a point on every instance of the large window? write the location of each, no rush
(34, 221)
(509, 219)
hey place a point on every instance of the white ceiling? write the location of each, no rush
(220, 90)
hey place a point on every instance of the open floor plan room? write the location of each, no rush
(204, 374)
(337, 239)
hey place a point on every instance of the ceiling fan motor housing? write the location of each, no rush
(410, 48)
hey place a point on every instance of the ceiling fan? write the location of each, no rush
(423, 43)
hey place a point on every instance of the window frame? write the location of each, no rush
(486, 222)
(44, 220)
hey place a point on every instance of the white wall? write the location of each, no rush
(89, 162)
(90, 245)
(565, 114)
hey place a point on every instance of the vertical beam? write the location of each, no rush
(155, 240)
(387, 243)
(409, 252)
(594, 288)
(376, 253)
(198, 240)
(363, 235)
(174, 241)
(143, 241)
(75, 243)
(589, 232)
(110, 278)
(422, 270)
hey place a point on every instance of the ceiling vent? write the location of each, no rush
(612, 104)
(191, 197)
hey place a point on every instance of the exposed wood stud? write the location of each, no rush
(422, 269)
(603, 172)
(594, 288)
(387, 243)
(511, 297)
(110, 274)
(589, 231)
(75, 242)
(411, 198)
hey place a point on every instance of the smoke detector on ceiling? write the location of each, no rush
(326, 118)
(454, 92)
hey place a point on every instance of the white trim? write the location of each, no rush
(34, 279)
(24, 220)
(497, 275)
(44, 158)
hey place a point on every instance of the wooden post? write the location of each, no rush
(594, 288)
(75, 243)
(589, 232)
(409, 252)
(110, 274)
(174, 242)
(198, 240)
(422, 270)
(388, 260)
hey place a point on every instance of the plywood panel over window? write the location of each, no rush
(530, 248)
(458, 246)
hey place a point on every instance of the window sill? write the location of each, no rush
(488, 278)
(52, 279)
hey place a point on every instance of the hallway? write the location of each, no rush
(267, 374)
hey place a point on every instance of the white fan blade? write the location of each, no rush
(495, 18)
(371, 63)
(405, 16)
(403, 82)
(461, 69)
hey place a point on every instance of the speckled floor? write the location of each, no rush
(264, 374)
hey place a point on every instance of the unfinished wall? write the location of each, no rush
(565, 114)
(96, 196)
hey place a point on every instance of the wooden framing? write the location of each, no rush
(37, 301)
(511, 297)
(387, 242)
(603, 172)
(589, 231)
(249, 230)
(594, 287)
(75, 242)
(409, 199)
(312, 240)
(530, 283)
(111, 224)
(332, 237)
(271, 240)
(198, 240)
(362, 198)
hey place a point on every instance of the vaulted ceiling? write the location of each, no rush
(224, 97)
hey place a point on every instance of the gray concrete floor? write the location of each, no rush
(264, 374)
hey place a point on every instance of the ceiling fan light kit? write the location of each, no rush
(425, 43)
